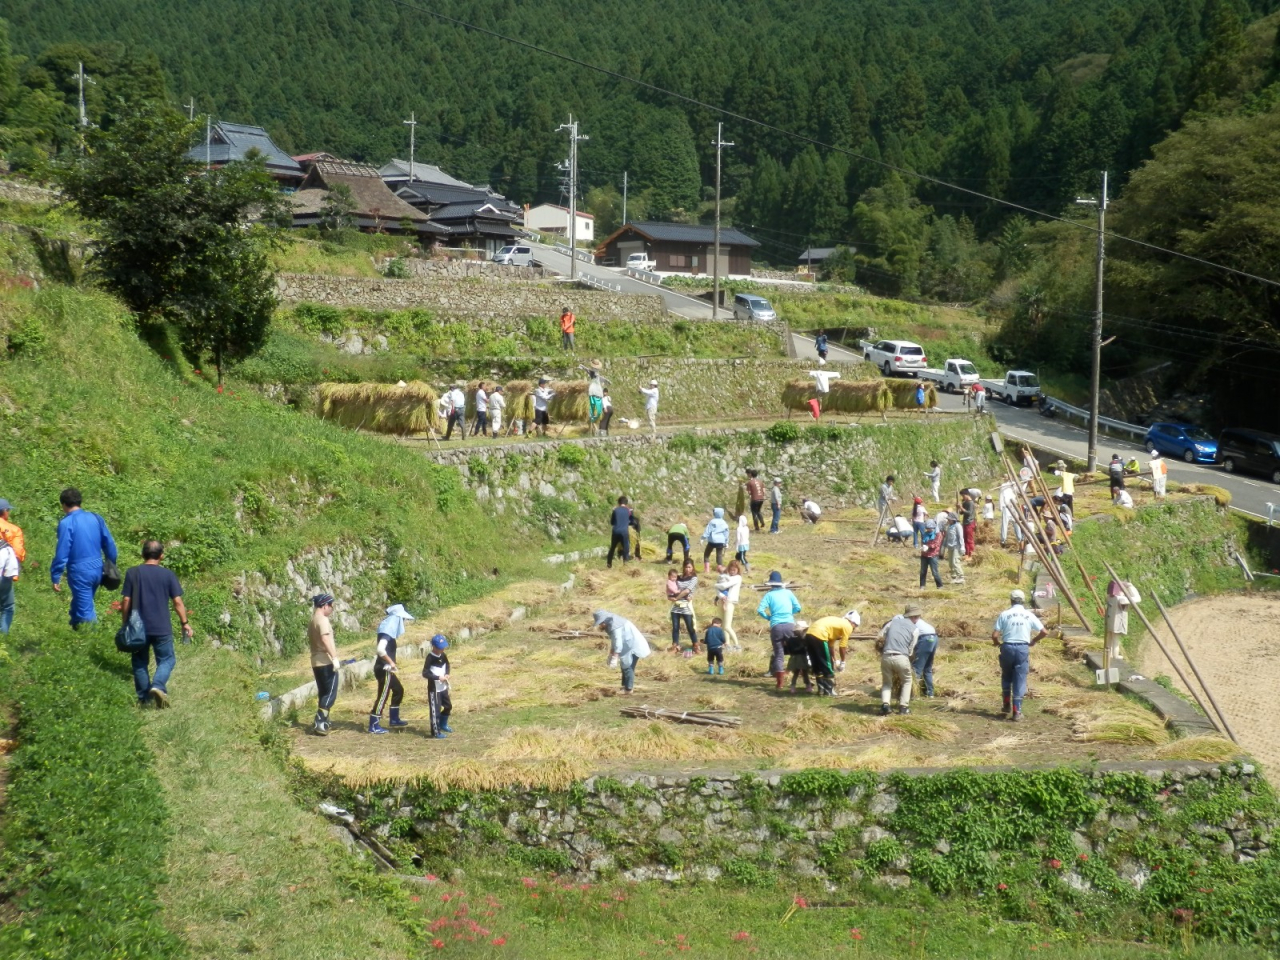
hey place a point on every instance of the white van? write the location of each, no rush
(515, 255)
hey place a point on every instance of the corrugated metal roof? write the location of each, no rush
(423, 172)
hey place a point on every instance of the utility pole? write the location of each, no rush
(1095, 385)
(624, 198)
(208, 141)
(81, 80)
(720, 143)
(574, 137)
(412, 124)
(191, 108)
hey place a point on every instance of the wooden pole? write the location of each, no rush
(879, 523)
(1187, 653)
(1050, 562)
(1084, 574)
(1165, 650)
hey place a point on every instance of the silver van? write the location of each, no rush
(748, 307)
(515, 255)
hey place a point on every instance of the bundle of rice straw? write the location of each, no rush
(796, 394)
(570, 404)
(845, 396)
(519, 400)
(381, 407)
(904, 394)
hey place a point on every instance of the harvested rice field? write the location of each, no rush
(533, 707)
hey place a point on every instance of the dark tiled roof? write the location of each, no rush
(233, 141)
(690, 233)
(815, 254)
(471, 208)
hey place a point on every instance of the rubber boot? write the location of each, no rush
(711, 668)
(321, 725)
(444, 723)
(395, 718)
(375, 726)
(778, 676)
(720, 670)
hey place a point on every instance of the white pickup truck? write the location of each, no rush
(1018, 388)
(640, 261)
(956, 375)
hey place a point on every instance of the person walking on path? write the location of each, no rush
(83, 540)
(896, 643)
(566, 329)
(621, 520)
(680, 590)
(481, 426)
(627, 645)
(497, 404)
(728, 590)
(1016, 631)
(716, 537)
(606, 405)
(969, 520)
(714, 639)
(150, 589)
(13, 553)
(742, 542)
(934, 476)
(775, 502)
(324, 661)
(823, 638)
(456, 405)
(779, 606)
(821, 346)
(678, 534)
(930, 547)
(755, 494)
(439, 700)
(542, 395)
(918, 516)
(922, 658)
(953, 546)
(1159, 474)
(651, 404)
(390, 630)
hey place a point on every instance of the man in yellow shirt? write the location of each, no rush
(821, 637)
(1068, 481)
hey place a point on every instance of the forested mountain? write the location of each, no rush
(1022, 100)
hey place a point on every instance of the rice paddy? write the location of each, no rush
(535, 703)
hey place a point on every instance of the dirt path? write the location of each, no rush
(1235, 641)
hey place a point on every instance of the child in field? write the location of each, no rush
(714, 639)
(742, 541)
(436, 671)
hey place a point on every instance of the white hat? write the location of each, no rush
(1017, 596)
(398, 610)
(854, 617)
(653, 383)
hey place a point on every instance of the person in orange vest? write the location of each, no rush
(13, 552)
(566, 329)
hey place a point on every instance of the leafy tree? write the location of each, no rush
(175, 242)
(840, 267)
(666, 163)
(337, 211)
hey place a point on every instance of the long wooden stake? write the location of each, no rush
(1165, 650)
(1046, 554)
(1187, 653)
(1084, 574)
(879, 524)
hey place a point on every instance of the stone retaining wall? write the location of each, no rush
(1093, 829)
(26, 192)
(436, 269)
(470, 296)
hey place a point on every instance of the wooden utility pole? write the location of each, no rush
(574, 137)
(720, 143)
(1095, 383)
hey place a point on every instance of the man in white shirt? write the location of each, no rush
(934, 476)
(1123, 499)
(1008, 509)
(497, 403)
(1159, 475)
(1016, 631)
(542, 395)
(651, 404)
(457, 408)
(810, 512)
(481, 426)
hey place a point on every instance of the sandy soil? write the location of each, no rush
(1235, 641)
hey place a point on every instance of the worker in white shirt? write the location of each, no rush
(457, 409)
(481, 426)
(1159, 474)
(934, 476)
(651, 404)
(1016, 631)
(542, 395)
(497, 403)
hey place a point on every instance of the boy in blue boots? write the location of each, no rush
(390, 630)
(436, 671)
(714, 639)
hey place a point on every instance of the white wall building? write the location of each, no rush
(550, 218)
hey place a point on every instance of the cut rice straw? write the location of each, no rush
(380, 407)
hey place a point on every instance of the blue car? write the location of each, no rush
(1191, 443)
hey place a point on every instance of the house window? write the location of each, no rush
(694, 264)
(679, 260)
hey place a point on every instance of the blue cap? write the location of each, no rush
(5, 505)
(775, 577)
(322, 599)
(440, 642)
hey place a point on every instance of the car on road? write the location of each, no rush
(896, 356)
(1018, 388)
(748, 307)
(515, 255)
(640, 261)
(1250, 451)
(956, 375)
(1193, 444)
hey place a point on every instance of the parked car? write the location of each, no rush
(1250, 451)
(747, 307)
(640, 261)
(1193, 444)
(956, 375)
(1018, 388)
(896, 356)
(515, 255)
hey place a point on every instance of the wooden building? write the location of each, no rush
(680, 248)
(376, 208)
(229, 142)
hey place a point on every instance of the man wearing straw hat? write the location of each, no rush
(1016, 631)
(457, 408)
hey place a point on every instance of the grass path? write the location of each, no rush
(251, 872)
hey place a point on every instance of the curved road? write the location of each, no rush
(677, 303)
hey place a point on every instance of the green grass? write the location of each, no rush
(350, 254)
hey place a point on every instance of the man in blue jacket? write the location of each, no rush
(621, 520)
(83, 540)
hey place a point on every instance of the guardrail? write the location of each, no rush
(1119, 426)
(599, 284)
(582, 255)
(648, 276)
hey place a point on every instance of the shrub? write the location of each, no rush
(396, 269)
(783, 432)
(571, 455)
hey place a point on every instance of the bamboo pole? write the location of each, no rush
(1084, 575)
(1165, 650)
(1046, 554)
(879, 523)
(1187, 653)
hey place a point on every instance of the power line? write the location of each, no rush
(693, 101)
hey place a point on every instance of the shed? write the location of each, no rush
(553, 218)
(681, 247)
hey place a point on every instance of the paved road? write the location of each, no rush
(677, 303)
(1248, 494)
(836, 354)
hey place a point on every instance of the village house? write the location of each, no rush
(469, 216)
(228, 142)
(680, 248)
(554, 219)
(375, 208)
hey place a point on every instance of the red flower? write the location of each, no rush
(197, 373)
(1056, 864)
(446, 897)
(415, 898)
(533, 896)
(498, 941)
(529, 881)
(437, 943)
(801, 903)
(741, 935)
(430, 877)
(1084, 856)
(1002, 886)
(219, 388)
(855, 933)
